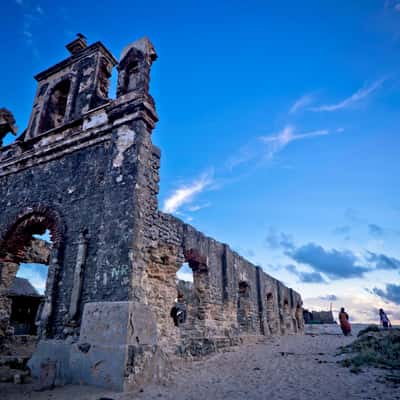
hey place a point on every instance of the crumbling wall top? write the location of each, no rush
(7, 124)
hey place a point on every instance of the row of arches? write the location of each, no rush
(280, 318)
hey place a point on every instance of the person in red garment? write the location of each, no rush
(344, 322)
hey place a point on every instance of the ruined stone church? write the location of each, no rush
(86, 171)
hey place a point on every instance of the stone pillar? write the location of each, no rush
(8, 271)
(78, 276)
(260, 303)
(51, 282)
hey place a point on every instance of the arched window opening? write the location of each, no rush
(132, 76)
(104, 79)
(185, 273)
(244, 289)
(56, 106)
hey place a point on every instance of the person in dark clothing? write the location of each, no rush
(384, 319)
(178, 311)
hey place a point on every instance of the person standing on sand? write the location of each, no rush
(384, 319)
(344, 322)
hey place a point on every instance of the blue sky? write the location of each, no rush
(278, 127)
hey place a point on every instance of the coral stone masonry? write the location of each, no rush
(86, 171)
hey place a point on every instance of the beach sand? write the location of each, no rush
(281, 368)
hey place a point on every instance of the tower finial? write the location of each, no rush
(77, 44)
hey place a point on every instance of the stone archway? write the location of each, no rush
(19, 245)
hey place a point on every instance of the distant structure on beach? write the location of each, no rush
(318, 317)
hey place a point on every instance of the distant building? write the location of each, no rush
(318, 317)
(25, 302)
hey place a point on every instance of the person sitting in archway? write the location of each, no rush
(178, 311)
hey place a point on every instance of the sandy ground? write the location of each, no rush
(286, 368)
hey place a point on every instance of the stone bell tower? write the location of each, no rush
(69, 89)
(86, 171)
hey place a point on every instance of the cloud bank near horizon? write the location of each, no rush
(330, 264)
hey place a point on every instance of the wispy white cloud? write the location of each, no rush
(28, 35)
(197, 207)
(392, 4)
(283, 138)
(354, 98)
(254, 154)
(245, 154)
(186, 193)
(274, 143)
(301, 103)
(31, 15)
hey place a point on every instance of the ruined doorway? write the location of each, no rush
(25, 305)
(25, 260)
(27, 289)
(244, 308)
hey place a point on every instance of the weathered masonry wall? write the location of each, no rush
(85, 171)
(232, 296)
(81, 207)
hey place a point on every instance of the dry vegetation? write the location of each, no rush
(376, 348)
